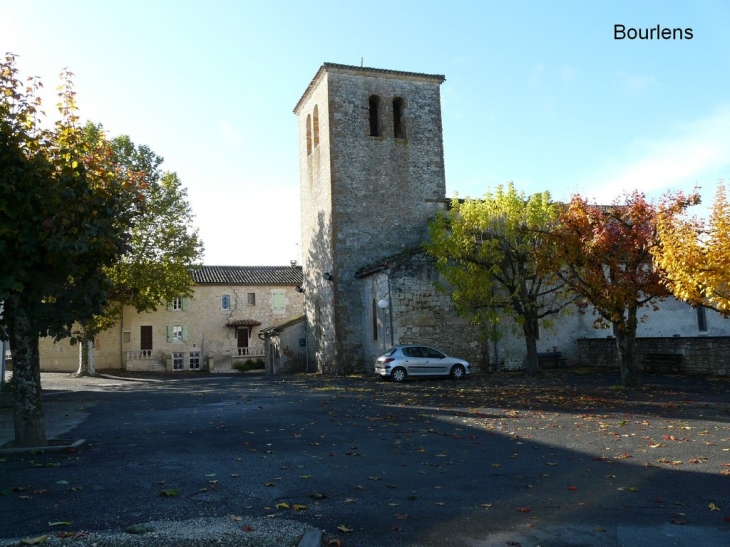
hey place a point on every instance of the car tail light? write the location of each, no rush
(389, 360)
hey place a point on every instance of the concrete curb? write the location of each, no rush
(39, 449)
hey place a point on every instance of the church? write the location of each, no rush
(372, 175)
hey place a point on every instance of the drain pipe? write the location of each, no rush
(121, 341)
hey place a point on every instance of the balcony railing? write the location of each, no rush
(139, 354)
(247, 352)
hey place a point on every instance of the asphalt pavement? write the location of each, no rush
(568, 459)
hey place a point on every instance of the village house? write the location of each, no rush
(216, 329)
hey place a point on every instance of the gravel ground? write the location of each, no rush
(247, 532)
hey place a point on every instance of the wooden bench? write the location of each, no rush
(665, 362)
(555, 358)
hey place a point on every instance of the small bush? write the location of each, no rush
(250, 364)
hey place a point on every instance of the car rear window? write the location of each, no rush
(390, 352)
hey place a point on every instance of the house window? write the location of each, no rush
(277, 302)
(194, 360)
(374, 103)
(375, 320)
(177, 333)
(177, 361)
(145, 340)
(399, 128)
(309, 134)
(701, 318)
(252, 299)
(226, 302)
(315, 122)
(178, 303)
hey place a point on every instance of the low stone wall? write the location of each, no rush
(702, 354)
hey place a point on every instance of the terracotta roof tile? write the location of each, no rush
(248, 275)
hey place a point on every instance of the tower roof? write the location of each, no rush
(365, 71)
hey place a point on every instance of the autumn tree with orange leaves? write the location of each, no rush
(694, 255)
(605, 257)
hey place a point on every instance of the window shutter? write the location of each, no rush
(185, 334)
(185, 302)
(169, 306)
(169, 332)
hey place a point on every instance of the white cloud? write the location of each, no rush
(700, 154)
(567, 73)
(634, 85)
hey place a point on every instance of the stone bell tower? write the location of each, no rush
(371, 164)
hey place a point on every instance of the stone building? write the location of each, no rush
(372, 175)
(214, 330)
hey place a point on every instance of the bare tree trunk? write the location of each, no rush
(28, 408)
(86, 356)
(626, 345)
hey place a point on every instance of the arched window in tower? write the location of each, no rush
(309, 134)
(374, 116)
(315, 121)
(399, 125)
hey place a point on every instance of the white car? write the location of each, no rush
(399, 362)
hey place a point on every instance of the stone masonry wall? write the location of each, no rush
(702, 354)
(421, 313)
(204, 321)
(384, 189)
(316, 225)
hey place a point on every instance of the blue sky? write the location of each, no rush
(538, 93)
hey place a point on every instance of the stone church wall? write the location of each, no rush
(421, 313)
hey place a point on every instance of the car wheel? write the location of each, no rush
(398, 374)
(458, 372)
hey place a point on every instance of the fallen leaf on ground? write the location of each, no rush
(33, 541)
(345, 529)
(523, 509)
(170, 492)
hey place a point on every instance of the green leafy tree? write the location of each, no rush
(64, 213)
(488, 251)
(162, 248)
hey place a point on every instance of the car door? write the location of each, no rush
(414, 361)
(436, 362)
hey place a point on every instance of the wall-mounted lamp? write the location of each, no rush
(299, 289)
(328, 276)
